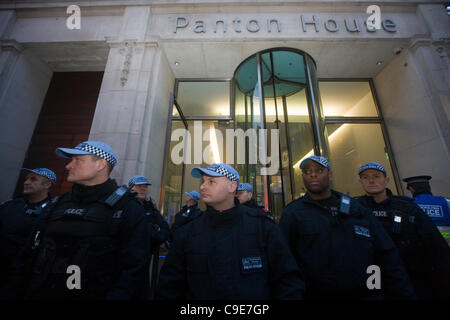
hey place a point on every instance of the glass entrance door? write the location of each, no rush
(273, 91)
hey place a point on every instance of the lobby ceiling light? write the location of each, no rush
(177, 63)
(379, 63)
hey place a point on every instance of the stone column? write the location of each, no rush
(414, 95)
(126, 103)
(24, 81)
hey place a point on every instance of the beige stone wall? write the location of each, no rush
(414, 93)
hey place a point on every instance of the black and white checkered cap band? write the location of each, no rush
(47, 175)
(43, 172)
(98, 152)
(226, 173)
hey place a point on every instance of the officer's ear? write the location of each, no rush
(233, 186)
(100, 163)
(330, 174)
(47, 184)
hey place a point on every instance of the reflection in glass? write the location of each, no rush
(174, 181)
(352, 145)
(204, 98)
(347, 99)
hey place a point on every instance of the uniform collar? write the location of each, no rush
(369, 200)
(251, 203)
(224, 218)
(334, 194)
(89, 194)
(36, 204)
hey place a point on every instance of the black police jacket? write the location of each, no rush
(109, 245)
(236, 254)
(17, 220)
(252, 204)
(334, 251)
(158, 228)
(185, 215)
(422, 248)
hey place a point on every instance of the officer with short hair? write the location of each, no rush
(422, 249)
(187, 212)
(18, 216)
(229, 251)
(244, 194)
(336, 242)
(95, 234)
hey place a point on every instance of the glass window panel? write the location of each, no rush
(301, 139)
(172, 186)
(347, 99)
(352, 145)
(204, 99)
(289, 66)
(247, 77)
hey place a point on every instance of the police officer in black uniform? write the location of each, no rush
(94, 242)
(229, 251)
(188, 212)
(18, 216)
(343, 251)
(244, 194)
(423, 250)
(157, 227)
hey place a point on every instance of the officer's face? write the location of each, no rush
(35, 184)
(373, 181)
(215, 191)
(190, 201)
(316, 177)
(244, 196)
(85, 169)
(141, 191)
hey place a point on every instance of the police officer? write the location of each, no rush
(244, 194)
(422, 249)
(339, 245)
(18, 216)
(187, 212)
(229, 251)
(94, 244)
(158, 228)
(436, 207)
